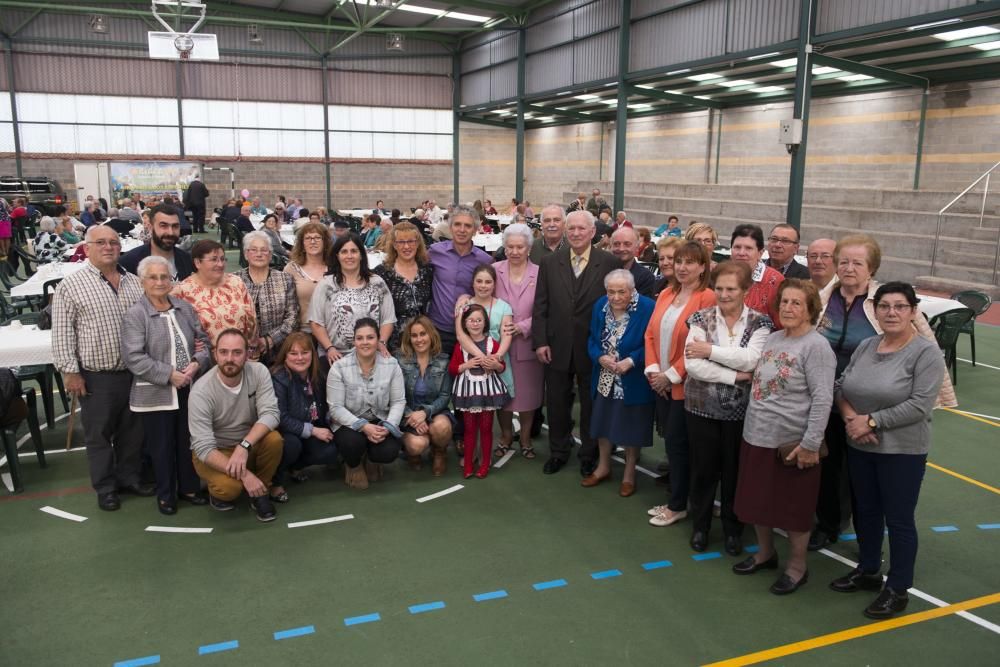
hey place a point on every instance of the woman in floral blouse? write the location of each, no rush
(407, 275)
(48, 246)
(220, 299)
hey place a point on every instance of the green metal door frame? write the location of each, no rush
(621, 118)
(9, 48)
(800, 111)
(519, 140)
(324, 69)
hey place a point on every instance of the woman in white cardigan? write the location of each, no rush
(159, 336)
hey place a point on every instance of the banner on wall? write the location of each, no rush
(152, 178)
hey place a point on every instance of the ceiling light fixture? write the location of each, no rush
(587, 97)
(394, 41)
(987, 46)
(735, 82)
(679, 71)
(790, 62)
(98, 23)
(975, 31)
(767, 89)
(708, 76)
(824, 70)
(855, 77)
(935, 24)
(640, 107)
(763, 55)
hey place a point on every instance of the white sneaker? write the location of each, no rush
(656, 509)
(667, 518)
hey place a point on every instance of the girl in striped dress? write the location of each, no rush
(478, 390)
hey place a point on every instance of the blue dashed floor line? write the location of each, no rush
(847, 537)
(218, 648)
(295, 632)
(656, 565)
(492, 595)
(710, 555)
(545, 585)
(358, 620)
(139, 662)
(427, 606)
(606, 574)
(945, 529)
(752, 549)
(988, 526)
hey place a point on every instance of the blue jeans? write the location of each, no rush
(886, 487)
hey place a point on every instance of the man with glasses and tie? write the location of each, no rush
(87, 312)
(782, 245)
(570, 281)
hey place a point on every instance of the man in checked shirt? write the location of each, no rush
(87, 311)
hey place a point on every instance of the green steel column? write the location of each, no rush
(456, 101)
(179, 89)
(324, 72)
(519, 151)
(920, 137)
(718, 144)
(621, 118)
(803, 90)
(8, 47)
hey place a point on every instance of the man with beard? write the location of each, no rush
(164, 228)
(232, 414)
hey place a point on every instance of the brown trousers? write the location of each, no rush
(263, 461)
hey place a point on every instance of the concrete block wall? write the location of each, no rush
(556, 158)
(486, 160)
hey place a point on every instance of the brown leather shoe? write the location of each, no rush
(592, 480)
(415, 462)
(440, 465)
(626, 489)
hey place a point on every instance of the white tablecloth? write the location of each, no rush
(33, 285)
(491, 242)
(25, 347)
(287, 234)
(932, 306)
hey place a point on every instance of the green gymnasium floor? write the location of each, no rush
(517, 569)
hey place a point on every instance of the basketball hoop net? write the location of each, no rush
(184, 55)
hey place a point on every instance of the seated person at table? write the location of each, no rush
(164, 229)
(232, 414)
(243, 222)
(49, 247)
(121, 227)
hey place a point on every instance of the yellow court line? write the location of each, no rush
(855, 633)
(964, 478)
(974, 417)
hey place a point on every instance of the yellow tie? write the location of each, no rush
(577, 265)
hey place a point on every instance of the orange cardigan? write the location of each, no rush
(703, 299)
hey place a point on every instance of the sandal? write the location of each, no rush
(528, 451)
(299, 476)
(501, 450)
(279, 497)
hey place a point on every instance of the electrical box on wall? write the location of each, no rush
(790, 132)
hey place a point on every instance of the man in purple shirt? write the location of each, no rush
(453, 262)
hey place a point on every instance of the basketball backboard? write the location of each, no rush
(173, 46)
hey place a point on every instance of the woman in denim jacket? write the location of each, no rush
(427, 422)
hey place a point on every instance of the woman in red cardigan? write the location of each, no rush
(687, 293)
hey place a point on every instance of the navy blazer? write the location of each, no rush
(632, 345)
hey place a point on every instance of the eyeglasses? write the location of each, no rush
(312, 239)
(778, 239)
(894, 307)
(826, 257)
(405, 242)
(104, 243)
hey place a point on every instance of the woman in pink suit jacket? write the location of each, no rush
(516, 280)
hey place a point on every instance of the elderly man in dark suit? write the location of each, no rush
(570, 281)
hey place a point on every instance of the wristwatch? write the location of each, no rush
(246, 444)
(871, 423)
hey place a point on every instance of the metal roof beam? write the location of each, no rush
(870, 70)
(561, 112)
(485, 121)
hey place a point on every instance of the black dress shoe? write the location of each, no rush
(194, 498)
(587, 468)
(166, 507)
(734, 545)
(264, 509)
(887, 604)
(699, 541)
(140, 489)
(750, 566)
(785, 586)
(109, 502)
(819, 540)
(856, 580)
(553, 466)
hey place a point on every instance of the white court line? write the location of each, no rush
(24, 438)
(453, 489)
(172, 529)
(978, 364)
(976, 414)
(638, 467)
(62, 515)
(503, 459)
(316, 522)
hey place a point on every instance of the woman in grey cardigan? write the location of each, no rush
(885, 397)
(158, 345)
(790, 400)
(367, 398)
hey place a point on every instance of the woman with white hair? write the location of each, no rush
(623, 401)
(49, 247)
(158, 346)
(517, 277)
(273, 295)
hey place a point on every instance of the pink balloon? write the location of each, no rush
(245, 193)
